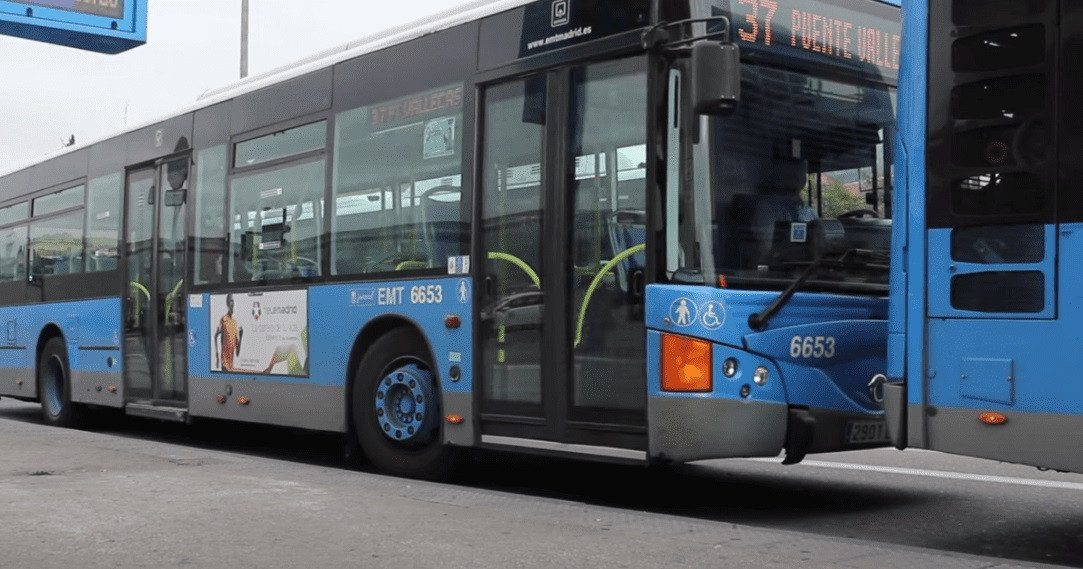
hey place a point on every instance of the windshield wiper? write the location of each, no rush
(758, 320)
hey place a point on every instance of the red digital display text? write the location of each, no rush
(416, 107)
(842, 34)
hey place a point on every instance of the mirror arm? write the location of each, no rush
(658, 37)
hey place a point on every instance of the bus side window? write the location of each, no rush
(397, 184)
(102, 248)
(276, 223)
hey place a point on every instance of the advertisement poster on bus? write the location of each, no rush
(260, 333)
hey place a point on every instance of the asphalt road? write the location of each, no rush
(135, 493)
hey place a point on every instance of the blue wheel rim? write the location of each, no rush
(405, 406)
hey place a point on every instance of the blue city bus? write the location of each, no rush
(642, 231)
(983, 299)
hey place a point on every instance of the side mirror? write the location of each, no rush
(716, 78)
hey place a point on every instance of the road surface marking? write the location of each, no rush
(935, 474)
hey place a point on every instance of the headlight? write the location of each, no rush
(729, 367)
(760, 376)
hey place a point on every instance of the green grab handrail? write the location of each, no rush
(169, 301)
(494, 255)
(410, 264)
(594, 285)
(139, 288)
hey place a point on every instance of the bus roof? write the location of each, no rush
(462, 14)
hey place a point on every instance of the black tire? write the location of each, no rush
(423, 455)
(54, 386)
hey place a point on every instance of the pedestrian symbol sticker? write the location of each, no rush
(714, 315)
(683, 312)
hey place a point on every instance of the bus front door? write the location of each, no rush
(155, 367)
(562, 231)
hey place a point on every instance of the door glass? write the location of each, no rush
(512, 216)
(608, 150)
(139, 310)
(171, 293)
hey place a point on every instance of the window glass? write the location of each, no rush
(281, 144)
(210, 221)
(800, 171)
(998, 244)
(14, 213)
(103, 222)
(56, 245)
(1000, 49)
(608, 147)
(13, 254)
(397, 184)
(999, 291)
(513, 214)
(64, 199)
(276, 222)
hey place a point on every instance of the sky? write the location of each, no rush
(49, 93)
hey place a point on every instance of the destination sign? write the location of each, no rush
(867, 39)
(107, 8)
(415, 108)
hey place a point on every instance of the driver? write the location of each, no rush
(780, 200)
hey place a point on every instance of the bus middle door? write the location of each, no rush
(155, 369)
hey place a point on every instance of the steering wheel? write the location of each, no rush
(859, 213)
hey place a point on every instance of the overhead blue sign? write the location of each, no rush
(105, 26)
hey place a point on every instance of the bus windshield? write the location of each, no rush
(799, 173)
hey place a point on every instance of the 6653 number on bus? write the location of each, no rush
(812, 347)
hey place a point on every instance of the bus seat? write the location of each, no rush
(441, 209)
(627, 228)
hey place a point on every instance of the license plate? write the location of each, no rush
(858, 432)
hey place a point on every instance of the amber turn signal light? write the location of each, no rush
(991, 418)
(686, 364)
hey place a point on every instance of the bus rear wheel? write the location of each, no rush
(54, 386)
(396, 409)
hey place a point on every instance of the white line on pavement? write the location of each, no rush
(935, 474)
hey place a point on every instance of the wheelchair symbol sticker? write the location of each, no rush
(714, 315)
(798, 232)
(683, 312)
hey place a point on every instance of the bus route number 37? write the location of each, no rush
(426, 294)
(812, 347)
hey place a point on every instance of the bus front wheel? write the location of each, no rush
(54, 385)
(396, 409)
